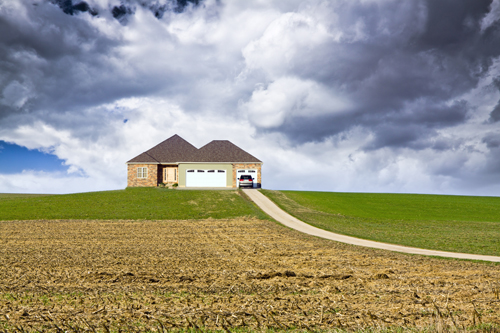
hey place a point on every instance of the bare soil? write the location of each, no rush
(241, 274)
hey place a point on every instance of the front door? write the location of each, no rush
(170, 175)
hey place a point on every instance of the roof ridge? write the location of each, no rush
(173, 136)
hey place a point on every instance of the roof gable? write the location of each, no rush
(223, 151)
(175, 150)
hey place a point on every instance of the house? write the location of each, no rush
(219, 163)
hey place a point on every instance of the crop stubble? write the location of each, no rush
(223, 274)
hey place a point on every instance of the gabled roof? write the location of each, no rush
(223, 151)
(175, 149)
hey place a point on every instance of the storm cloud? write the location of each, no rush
(399, 96)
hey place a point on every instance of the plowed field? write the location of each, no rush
(242, 274)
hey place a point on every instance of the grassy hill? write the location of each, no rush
(131, 203)
(441, 222)
(452, 223)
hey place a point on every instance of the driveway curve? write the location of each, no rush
(286, 219)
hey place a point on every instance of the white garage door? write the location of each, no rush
(205, 178)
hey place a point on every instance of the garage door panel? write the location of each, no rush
(206, 178)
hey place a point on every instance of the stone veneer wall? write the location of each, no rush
(154, 171)
(256, 166)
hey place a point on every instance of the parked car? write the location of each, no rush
(246, 181)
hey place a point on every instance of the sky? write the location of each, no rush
(340, 95)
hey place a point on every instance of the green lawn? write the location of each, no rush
(440, 222)
(18, 195)
(131, 203)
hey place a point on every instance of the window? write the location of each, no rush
(142, 172)
(175, 174)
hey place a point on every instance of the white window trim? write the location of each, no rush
(142, 172)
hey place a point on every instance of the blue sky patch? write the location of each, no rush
(15, 159)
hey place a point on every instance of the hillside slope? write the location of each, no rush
(447, 223)
(131, 203)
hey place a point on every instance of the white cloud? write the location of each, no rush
(286, 39)
(51, 183)
(492, 16)
(102, 160)
(291, 97)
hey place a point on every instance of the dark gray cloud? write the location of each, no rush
(495, 114)
(127, 7)
(68, 7)
(49, 58)
(403, 75)
(55, 62)
(492, 140)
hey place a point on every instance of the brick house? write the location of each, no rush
(217, 164)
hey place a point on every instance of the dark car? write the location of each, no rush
(246, 181)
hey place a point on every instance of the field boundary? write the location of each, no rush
(286, 219)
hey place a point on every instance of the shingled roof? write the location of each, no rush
(175, 150)
(223, 151)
